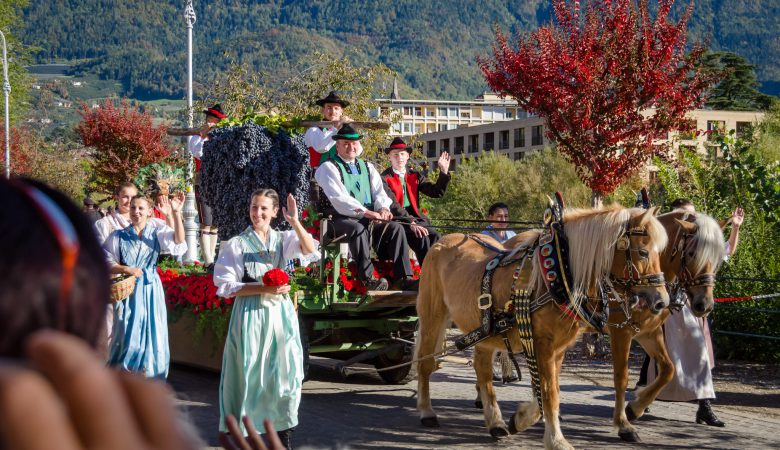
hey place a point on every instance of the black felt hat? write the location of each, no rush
(215, 111)
(398, 144)
(346, 133)
(332, 97)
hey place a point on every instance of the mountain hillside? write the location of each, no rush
(431, 44)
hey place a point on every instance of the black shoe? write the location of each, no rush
(377, 284)
(409, 284)
(286, 438)
(510, 379)
(706, 415)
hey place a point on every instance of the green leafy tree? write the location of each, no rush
(11, 24)
(523, 185)
(738, 89)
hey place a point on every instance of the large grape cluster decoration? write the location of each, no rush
(237, 160)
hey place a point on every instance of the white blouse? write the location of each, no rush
(165, 235)
(229, 268)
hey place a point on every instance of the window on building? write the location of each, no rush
(418, 128)
(459, 145)
(444, 146)
(432, 149)
(519, 137)
(453, 112)
(537, 135)
(715, 129)
(510, 114)
(418, 111)
(442, 112)
(407, 110)
(407, 127)
(744, 130)
(488, 140)
(518, 156)
(453, 165)
(397, 128)
(503, 139)
(464, 114)
(442, 127)
(452, 126)
(499, 113)
(430, 112)
(487, 113)
(473, 143)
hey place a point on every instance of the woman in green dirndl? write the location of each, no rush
(262, 365)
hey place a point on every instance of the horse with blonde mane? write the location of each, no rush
(602, 244)
(689, 265)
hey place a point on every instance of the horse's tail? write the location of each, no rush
(432, 312)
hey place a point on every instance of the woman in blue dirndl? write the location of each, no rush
(139, 342)
(262, 365)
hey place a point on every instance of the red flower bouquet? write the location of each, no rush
(276, 277)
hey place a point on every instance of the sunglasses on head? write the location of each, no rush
(66, 237)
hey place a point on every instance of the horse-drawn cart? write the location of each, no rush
(375, 327)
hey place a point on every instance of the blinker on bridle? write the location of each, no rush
(67, 240)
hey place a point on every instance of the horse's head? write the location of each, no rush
(623, 245)
(693, 257)
(637, 259)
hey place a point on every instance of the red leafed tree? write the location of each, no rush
(21, 150)
(124, 140)
(608, 83)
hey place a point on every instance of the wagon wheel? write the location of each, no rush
(304, 332)
(399, 355)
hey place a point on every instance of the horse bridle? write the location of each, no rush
(685, 279)
(631, 278)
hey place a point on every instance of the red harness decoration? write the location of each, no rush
(412, 180)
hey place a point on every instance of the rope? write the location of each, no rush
(522, 222)
(763, 280)
(747, 297)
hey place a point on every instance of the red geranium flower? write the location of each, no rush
(276, 277)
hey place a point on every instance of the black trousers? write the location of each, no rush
(421, 245)
(387, 239)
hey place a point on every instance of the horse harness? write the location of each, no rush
(685, 279)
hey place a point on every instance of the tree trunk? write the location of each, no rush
(596, 199)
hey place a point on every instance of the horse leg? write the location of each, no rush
(548, 360)
(432, 319)
(483, 366)
(621, 346)
(654, 344)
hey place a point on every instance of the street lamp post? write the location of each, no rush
(6, 93)
(189, 212)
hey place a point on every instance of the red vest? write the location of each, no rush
(394, 182)
(197, 164)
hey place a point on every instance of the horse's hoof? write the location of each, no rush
(430, 422)
(499, 432)
(629, 436)
(630, 414)
(478, 404)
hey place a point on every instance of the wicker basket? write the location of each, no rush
(122, 287)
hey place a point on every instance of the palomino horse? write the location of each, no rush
(689, 263)
(450, 287)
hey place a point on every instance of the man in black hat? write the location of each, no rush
(208, 232)
(320, 140)
(404, 185)
(354, 196)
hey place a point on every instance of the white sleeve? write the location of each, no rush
(166, 236)
(229, 268)
(102, 229)
(381, 200)
(291, 248)
(195, 146)
(319, 140)
(111, 249)
(328, 179)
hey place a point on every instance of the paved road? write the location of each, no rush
(362, 412)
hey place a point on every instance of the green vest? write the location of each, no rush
(358, 184)
(330, 153)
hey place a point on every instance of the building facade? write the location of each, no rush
(429, 116)
(518, 137)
